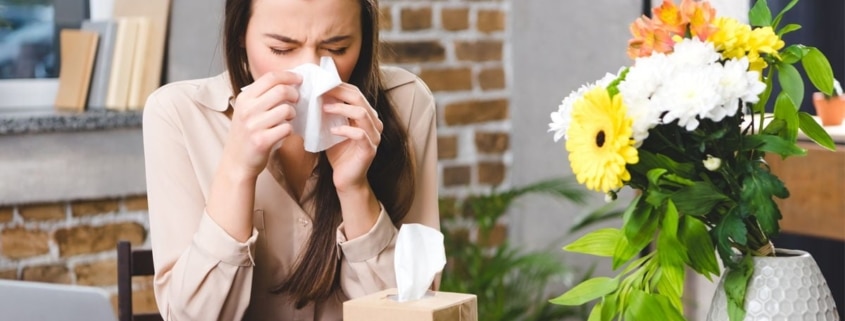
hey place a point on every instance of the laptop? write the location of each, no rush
(36, 301)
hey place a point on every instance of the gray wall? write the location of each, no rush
(195, 43)
(556, 47)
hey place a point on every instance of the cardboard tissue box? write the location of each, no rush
(433, 306)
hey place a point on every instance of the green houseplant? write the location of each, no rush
(510, 282)
(686, 126)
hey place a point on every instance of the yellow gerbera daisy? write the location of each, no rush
(599, 141)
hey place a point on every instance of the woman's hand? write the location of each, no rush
(260, 121)
(351, 158)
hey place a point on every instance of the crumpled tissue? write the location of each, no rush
(311, 122)
(418, 257)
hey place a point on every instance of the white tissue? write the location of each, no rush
(419, 256)
(311, 123)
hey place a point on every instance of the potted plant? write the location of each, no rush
(830, 108)
(686, 127)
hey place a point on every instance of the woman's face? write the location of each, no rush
(283, 34)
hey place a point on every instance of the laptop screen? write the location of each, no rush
(36, 301)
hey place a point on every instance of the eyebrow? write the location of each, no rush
(286, 39)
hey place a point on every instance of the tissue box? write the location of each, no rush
(434, 306)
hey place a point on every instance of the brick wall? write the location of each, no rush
(458, 48)
(74, 243)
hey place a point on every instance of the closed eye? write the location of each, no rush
(280, 52)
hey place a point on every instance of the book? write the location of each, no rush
(77, 60)
(107, 31)
(157, 11)
(120, 75)
(137, 95)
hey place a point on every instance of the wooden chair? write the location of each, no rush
(132, 263)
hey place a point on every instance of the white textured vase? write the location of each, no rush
(787, 287)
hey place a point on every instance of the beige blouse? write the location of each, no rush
(202, 273)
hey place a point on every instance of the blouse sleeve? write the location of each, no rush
(367, 261)
(201, 273)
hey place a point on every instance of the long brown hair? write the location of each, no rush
(316, 275)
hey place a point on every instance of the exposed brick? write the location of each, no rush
(454, 19)
(98, 273)
(42, 212)
(457, 175)
(476, 111)
(491, 173)
(136, 203)
(416, 18)
(47, 273)
(413, 51)
(493, 78)
(88, 208)
(497, 236)
(18, 243)
(9, 275)
(491, 20)
(447, 79)
(6, 214)
(481, 50)
(491, 143)
(88, 239)
(447, 147)
(386, 19)
(143, 301)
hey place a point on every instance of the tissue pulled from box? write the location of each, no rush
(418, 257)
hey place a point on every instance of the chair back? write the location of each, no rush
(138, 262)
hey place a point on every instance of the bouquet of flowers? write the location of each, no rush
(686, 127)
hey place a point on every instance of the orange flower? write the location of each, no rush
(700, 16)
(669, 18)
(648, 38)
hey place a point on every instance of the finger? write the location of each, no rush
(272, 136)
(358, 116)
(275, 96)
(350, 94)
(269, 80)
(273, 117)
(357, 135)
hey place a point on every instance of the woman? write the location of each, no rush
(241, 230)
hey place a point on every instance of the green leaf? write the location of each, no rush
(773, 144)
(818, 70)
(650, 160)
(670, 220)
(671, 285)
(639, 223)
(595, 314)
(698, 199)
(654, 175)
(730, 228)
(760, 15)
(814, 131)
(791, 83)
(587, 291)
(787, 29)
(782, 12)
(792, 54)
(648, 306)
(625, 251)
(760, 106)
(608, 307)
(601, 242)
(774, 127)
(700, 249)
(785, 110)
(758, 188)
(736, 284)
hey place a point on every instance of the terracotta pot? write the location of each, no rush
(831, 111)
(787, 287)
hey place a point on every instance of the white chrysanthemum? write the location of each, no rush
(737, 85)
(640, 84)
(693, 52)
(690, 93)
(563, 115)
